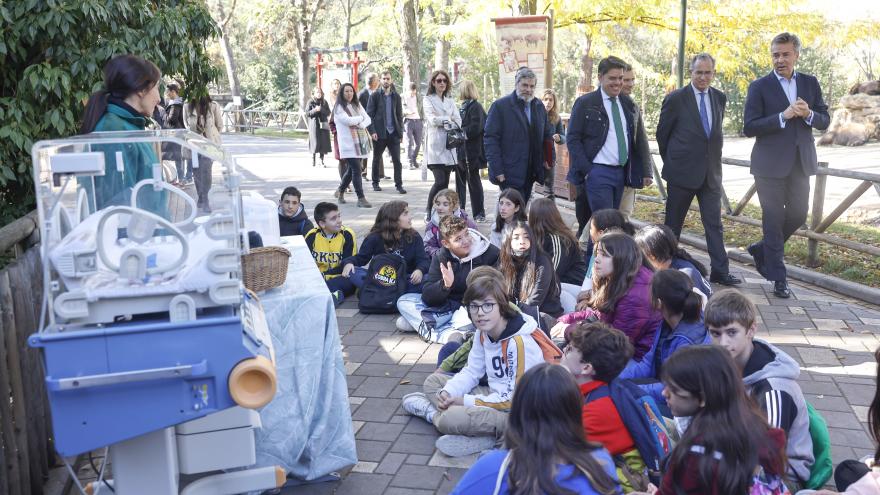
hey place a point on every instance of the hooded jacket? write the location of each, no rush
(503, 371)
(770, 376)
(298, 224)
(632, 315)
(432, 230)
(482, 254)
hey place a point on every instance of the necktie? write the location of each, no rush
(704, 114)
(618, 129)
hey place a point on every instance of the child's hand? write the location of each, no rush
(558, 330)
(347, 269)
(416, 277)
(448, 274)
(444, 400)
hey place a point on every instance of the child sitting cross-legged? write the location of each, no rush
(436, 311)
(331, 242)
(445, 203)
(596, 354)
(473, 418)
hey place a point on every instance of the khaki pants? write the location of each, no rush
(462, 420)
(628, 201)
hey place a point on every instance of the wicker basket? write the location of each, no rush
(264, 268)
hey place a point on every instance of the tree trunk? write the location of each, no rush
(442, 45)
(231, 69)
(305, 87)
(410, 42)
(585, 85)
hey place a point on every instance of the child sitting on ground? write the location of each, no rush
(674, 296)
(331, 242)
(511, 208)
(528, 272)
(392, 232)
(661, 247)
(601, 222)
(292, 218)
(445, 203)
(596, 354)
(560, 244)
(620, 294)
(769, 374)
(472, 418)
(431, 312)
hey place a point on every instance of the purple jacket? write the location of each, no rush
(632, 315)
(432, 231)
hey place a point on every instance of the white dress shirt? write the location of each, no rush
(789, 87)
(608, 154)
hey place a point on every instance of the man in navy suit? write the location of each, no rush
(601, 141)
(516, 131)
(782, 109)
(690, 137)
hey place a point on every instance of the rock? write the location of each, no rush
(859, 101)
(870, 87)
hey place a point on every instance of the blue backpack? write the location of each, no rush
(642, 419)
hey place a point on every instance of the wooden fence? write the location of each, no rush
(26, 451)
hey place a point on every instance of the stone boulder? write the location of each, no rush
(857, 120)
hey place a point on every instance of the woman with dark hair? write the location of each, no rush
(125, 103)
(471, 157)
(552, 105)
(727, 446)
(353, 142)
(319, 133)
(546, 448)
(561, 246)
(203, 116)
(601, 222)
(621, 293)
(662, 250)
(511, 208)
(528, 272)
(440, 114)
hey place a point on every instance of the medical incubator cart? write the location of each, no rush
(152, 348)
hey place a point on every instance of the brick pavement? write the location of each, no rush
(831, 336)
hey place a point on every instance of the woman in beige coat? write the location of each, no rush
(203, 116)
(440, 110)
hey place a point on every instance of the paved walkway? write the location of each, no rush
(831, 336)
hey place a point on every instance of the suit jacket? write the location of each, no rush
(690, 158)
(776, 149)
(515, 148)
(364, 97)
(376, 111)
(587, 130)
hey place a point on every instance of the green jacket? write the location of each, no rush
(114, 188)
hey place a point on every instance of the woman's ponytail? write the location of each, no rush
(692, 306)
(95, 108)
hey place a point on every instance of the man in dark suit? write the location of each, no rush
(516, 131)
(364, 99)
(601, 140)
(781, 110)
(386, 114)
(690, 137)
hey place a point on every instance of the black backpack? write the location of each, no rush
(385, 282)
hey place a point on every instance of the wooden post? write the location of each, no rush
(548, 64)
(15, 377)
(815, 221)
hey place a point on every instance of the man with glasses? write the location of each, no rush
(517, 132)
(690, 137)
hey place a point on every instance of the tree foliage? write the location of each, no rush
(51, 57)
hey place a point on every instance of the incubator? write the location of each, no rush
(152, 347)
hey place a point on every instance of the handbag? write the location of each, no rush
(455, 135)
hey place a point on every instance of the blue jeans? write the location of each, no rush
(604, 187)
(416, 312)
(344, 284)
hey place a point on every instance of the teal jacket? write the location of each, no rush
(114, 188)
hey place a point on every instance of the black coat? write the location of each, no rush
(364, 97)
(376, 110)
(689, 157)
(473, 120)
(319, 132)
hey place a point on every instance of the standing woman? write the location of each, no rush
(354, 143)
(124, 103)
(204, 117)
(552, 106)
(470, 156)
(439, 109)
(319, 132)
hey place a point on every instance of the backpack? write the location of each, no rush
(552, 353)
(385, 282)
(822, 467)
(642, 419)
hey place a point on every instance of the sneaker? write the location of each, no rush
(417, 404)
(363, 203)
(480, 218)
(338, 297)
(404, 325)
(462, 445)
(401, 190)
(376, 187)
(340, 196)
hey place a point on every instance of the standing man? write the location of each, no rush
(690, 138)
(364, 99)
(782, 109)
(174, 120)
(412, 121)
(516, 131)
(628, 200)
(601, 140)
(386, 128)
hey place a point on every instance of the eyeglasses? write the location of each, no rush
(443, 81)
(486, 307)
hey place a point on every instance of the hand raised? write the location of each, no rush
(448, 274)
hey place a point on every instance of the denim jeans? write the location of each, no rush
(416, 312)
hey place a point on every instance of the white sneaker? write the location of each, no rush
(404, 325)
(418, 404)
(462, 445)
